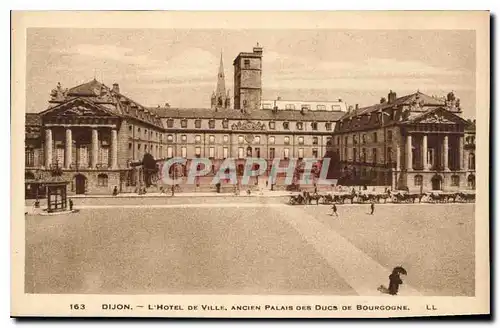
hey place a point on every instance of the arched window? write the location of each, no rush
(418, 180)
(471, 181)
(472, 161)
(102, 180)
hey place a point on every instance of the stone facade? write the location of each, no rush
(415, 142)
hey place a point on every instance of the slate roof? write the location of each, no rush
(33, 119)
(405, 100)
(257, 114)
(117, 102)
(370, 117)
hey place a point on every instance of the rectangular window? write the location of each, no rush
(211, 139)
(241, 152)
(183, 138)
(374, 155)
(301, 152)
(321, 107)
(184, 152)
(211, 152)
(328, 126)
(184, 123)
(314, 126)
(455, 180)
(287, 140)
(354, 154)
(257, 152)
(197, 138)
(271, 140)
(211, 124)
(290, 106)
(389, 136)
(246, 63)
(170, 152)
(315, 152)
(375, 137)
(286, 125)
(30, 157)
(256, 140)
(286, 153)
(225, 152)
(315, 140)
(300, 126)
(170, 138)
(301, 140)
(241, 139)
(161, 151)
(197, 151)
(197, 124)
(272, 125)
(389, 154)
(271, 153)
(225, 138)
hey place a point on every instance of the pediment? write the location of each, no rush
(78, 108)
(439, 116)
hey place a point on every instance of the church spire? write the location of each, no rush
(221, 83)
(220, 99)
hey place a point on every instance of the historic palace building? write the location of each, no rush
(414, 142)
(99, 137)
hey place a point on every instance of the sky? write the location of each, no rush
(179, 67)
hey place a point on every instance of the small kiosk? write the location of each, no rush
(56, 188)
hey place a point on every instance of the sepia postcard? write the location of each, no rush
(250, 164)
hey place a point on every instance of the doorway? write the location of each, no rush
(437, 182)
(80, 182)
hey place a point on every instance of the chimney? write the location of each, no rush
(116, 88)
(340, 99)
(167, 105)
(357, 106)
(279, 98)
(383, 100)
(391, 97)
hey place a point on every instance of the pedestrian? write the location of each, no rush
(317, 199)
(372, 207)
(334, 209)
(70, 204)
(394, 282)
(115, 191)
(267, 183)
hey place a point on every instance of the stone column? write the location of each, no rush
(68, 148)
(398, 158)
(95, 148)
(48, 147)
(445, 153)
(409, 155)
(424, 153)
(461, 153)
(114, 149)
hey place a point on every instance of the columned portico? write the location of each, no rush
(68, 150)
(95, 148)
(48, 147)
